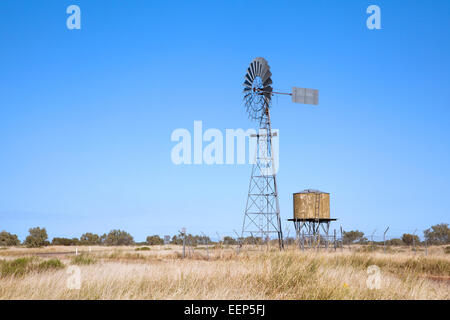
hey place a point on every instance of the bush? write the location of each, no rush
(447, 249)
(142, 249)
(15, 267)
(22, 266)
(37, 238)
(83, 260)
(7, 239)
(50, 264)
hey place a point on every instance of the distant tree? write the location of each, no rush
(287, 241)
(438, 234)
(65, 241)
(90, 239)
(178, 240)
(7, 239)
(37, 238)
(395, 242)
(118, 238)
(154, 240)
(350, 237)
(409, 239)
(103, 238)
(195, 240)
(253, 240)
(229, 240)
(191, 240)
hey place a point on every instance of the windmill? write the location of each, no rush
(262, 211)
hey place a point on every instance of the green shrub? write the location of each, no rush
(142, 249)
(83, 260)
(22, 266)
(447, 249)
(15, 267)
(49, 264)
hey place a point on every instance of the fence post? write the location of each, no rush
(205, 240)
(303, 240)
(414, 241)
(384, 239)
(238, 241)
(334, 239)
(183, 231)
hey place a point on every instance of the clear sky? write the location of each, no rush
(86, 115)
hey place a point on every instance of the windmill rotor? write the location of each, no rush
(257, 88)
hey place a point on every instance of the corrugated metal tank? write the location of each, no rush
(311, 204)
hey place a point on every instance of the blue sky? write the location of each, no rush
(86, 115)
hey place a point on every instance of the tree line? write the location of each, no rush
(436, 235)
(38, 237)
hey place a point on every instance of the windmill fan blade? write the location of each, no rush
(261, 60)
(257, 89)
(248, 78)
(268, 92)
(268, 82)
(258, 68)
(250, 73)
(252, 67)
(266, 74)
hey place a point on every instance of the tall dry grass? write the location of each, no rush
(123, 273)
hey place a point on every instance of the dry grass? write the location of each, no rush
(161, 273)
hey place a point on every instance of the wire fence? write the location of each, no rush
(337, 239)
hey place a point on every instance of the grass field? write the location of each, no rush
(160, 272)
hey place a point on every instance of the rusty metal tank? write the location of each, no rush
(311, 204)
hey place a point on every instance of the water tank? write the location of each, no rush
(311, 204)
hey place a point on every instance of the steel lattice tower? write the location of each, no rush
(262, 211)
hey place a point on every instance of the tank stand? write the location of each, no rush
(312, 233)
